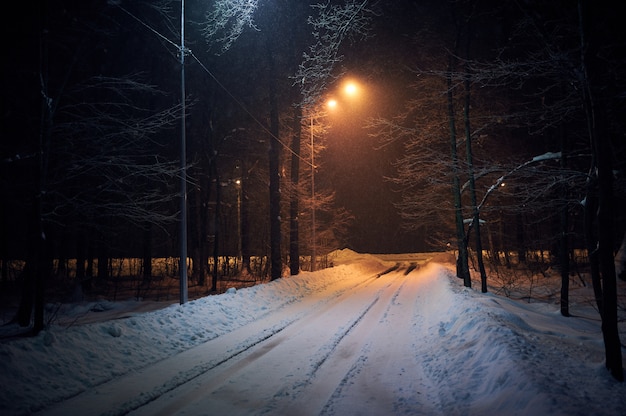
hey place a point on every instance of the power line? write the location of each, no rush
(246, 110)
(150, 28)
(217, 81)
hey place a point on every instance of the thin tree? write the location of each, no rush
(594, 78)
(570, 40)
(99, 161)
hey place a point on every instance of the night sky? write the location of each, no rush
(92, 38)
(98, 38)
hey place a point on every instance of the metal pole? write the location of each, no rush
(239, 184)
(313, 243)
(183, 166)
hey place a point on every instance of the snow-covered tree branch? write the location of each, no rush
(227, 20)
(331, 27)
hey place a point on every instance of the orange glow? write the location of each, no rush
(350, 88)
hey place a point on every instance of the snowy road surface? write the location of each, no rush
(348, 340)
(306, 358)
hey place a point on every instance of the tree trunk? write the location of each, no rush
(564, 261)
(25, 308)
(274, 171)
(244, 223)
(606, 261)
(89, 281)
(294, 239)
(147, 253)
(594, 77)
(564, 239)
(38, 267)
(216, 231)
(620, 260)
(198, 240)
(520, 237)
(470, 172)
(81, 256)
(462, 265)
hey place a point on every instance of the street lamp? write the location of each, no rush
(313, 254)
(239, 222)
(350, 88)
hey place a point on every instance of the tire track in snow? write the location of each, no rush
(143, 387)
(347, 357)
(217, 381)
(387, 377)
(282, 359)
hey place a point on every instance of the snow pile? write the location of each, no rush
(471, 364)
(347, 256)
(501, 356)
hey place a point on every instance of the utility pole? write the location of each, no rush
(183, 165)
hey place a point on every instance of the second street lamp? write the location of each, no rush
(350, 89)
(313, 253)
(331, 103)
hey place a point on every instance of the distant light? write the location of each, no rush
(503, 184)
(237, 181)
(332, 103)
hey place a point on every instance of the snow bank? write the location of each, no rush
(62, 362)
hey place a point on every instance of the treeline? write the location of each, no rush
(92, 139)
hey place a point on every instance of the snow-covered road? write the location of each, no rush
(305, 358)
(358, 338)
(316, 360)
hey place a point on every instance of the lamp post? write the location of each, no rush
(350, 89)
(239, 222)
(313, 253)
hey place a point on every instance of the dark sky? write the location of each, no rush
(356, 163)
(352, 165)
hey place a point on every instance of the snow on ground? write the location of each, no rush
(416, 343)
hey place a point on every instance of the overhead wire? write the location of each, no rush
(218, 82)
(243, 107)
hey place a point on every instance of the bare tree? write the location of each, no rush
(330, 26)
(103, 147)
(430, 172)
(101, 160)
(594, 79)
(565, 74)
(98, 151)
(226, 21)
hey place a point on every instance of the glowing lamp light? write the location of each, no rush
(350, 88)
